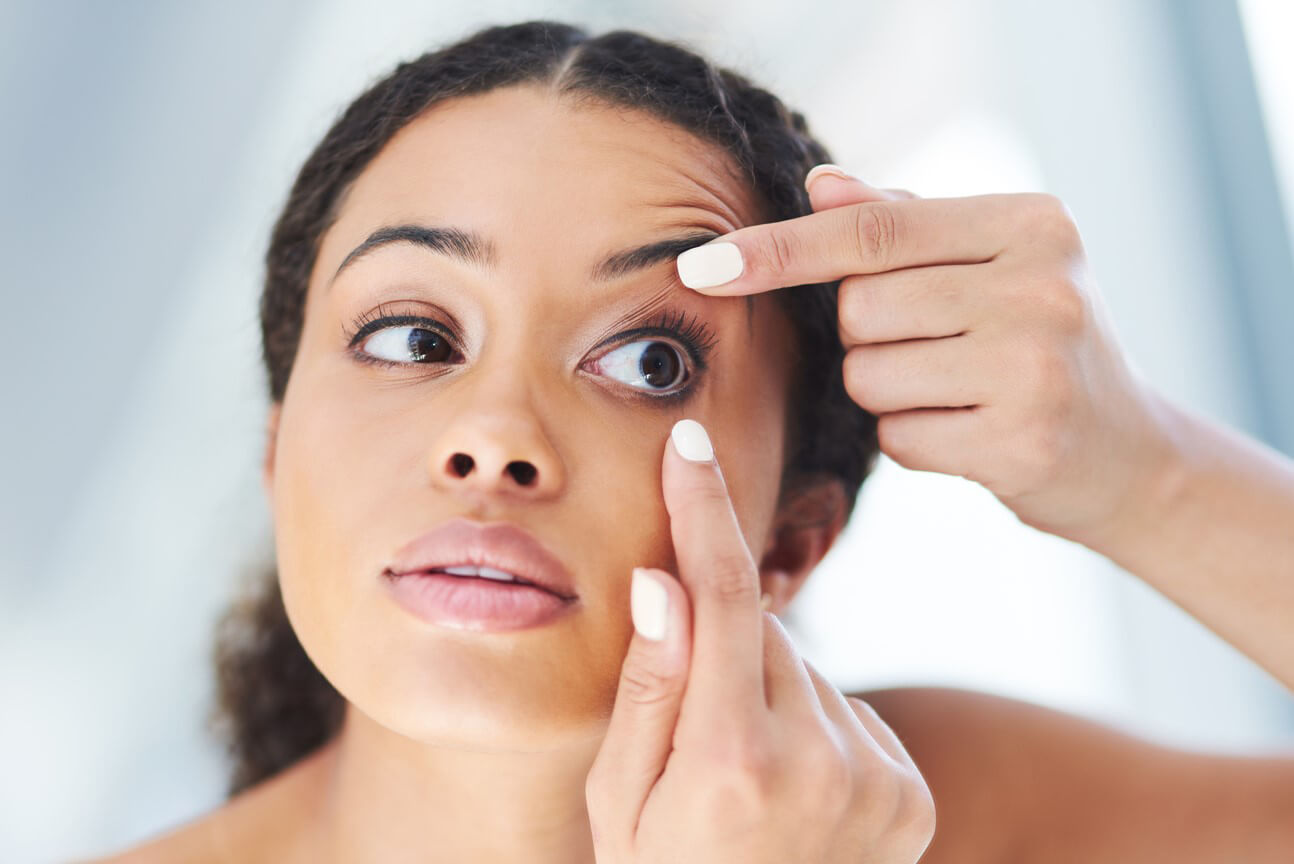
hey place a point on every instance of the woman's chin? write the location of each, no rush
(518, 707)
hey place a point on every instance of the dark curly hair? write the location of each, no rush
(273, 706)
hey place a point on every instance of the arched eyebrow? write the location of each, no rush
(472, 248)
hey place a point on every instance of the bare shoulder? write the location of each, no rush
(1017, 781)
(262, 823)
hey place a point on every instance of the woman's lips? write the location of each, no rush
(464, 601)
(476, 603)
(499, 546)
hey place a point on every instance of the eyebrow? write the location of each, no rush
(471, 248)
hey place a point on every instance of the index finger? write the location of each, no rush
(868, 237)
(721, 577)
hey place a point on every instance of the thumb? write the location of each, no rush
(653, 679)
(830, 186)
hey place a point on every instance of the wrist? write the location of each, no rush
(1159, 477)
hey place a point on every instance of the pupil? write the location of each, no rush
(427, 345)
(659, 365)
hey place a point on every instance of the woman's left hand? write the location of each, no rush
(974, 331)
(725, 745)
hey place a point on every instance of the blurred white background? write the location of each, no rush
(147, 147)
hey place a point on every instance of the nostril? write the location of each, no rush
(461, 463)
(522, 472)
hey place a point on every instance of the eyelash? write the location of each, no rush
(695, 337)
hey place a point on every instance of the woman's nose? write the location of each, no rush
(508, 455)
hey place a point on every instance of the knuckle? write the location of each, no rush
(1064, 306)
(732, 575)
(876, 232)
(704, 491)
(876, 774)
(916, 815)
(778, 252)
(851, 310)
(895, 439)
(642, 685)
(1051, 216)
(1035, 457)
(748, 771)
(1041, 206)
(861, 705)
(832, 772)
(854, 376)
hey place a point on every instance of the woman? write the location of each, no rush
(485, 365)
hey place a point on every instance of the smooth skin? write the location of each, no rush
(720, 751)
(976, 333)
(463, 748)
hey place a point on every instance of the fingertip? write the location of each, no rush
(659, 603)
(649, 604)
(710, 265)
(691, 441)
(827, 168)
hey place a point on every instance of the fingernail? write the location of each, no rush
(826, 168)
(711, 264)
(648, 605)
(765, 601)
(691, 441)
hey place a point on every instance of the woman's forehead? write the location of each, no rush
(545, 172)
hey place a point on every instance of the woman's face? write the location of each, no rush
(361, 458)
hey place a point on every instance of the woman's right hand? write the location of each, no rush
(724, 744)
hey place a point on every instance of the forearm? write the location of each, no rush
(1213, 530)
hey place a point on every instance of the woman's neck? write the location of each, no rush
(386, 797)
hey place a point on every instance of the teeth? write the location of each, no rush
(483, 572)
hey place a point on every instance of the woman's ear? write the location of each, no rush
(267, 459)
(807, 522)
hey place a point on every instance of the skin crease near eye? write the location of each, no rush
(360, 451)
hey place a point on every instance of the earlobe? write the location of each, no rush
(807, 523)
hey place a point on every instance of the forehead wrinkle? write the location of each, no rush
(717, 191)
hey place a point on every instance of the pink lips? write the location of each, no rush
(478, 603)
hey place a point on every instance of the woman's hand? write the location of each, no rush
(724, 745)
(974, 332)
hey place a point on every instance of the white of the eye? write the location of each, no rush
(629, 362)
(395, 338)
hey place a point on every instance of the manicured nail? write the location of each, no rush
(648, 605)
(711, 264)
(691, 441)
(826, 168)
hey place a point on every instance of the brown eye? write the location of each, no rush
(646, 364)
(409, 345)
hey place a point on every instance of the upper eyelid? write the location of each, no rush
(400, 319)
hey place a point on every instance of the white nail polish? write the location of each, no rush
(825, 168)
(691, 441)
(648, 605)
(711, 264)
